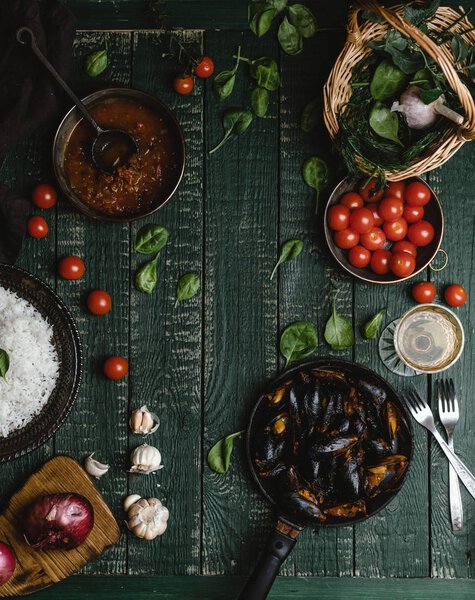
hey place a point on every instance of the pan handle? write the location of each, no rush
(279, 545)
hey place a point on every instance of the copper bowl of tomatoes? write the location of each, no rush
(384, 236)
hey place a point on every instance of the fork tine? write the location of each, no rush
(453, 395)
(407, 402)
(443, 394)
(419, 402)
(448, 396)
(439, 396)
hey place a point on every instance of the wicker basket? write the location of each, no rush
(337, 89)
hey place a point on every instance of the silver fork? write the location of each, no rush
(449, 416)
(422, 413)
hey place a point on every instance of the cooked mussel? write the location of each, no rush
(349, 510)
(300, 507)
(385, 475)
(277, 396)
(322, 447)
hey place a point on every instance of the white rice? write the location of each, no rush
(34, 366)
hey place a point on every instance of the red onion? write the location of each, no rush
(7, 563)
(58, 521)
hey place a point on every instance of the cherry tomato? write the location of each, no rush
(352, 200)
(71, 267)
(395, 189)
(115, 367)
(380, 262)
(405, 246)
(44, 195)
(413, 213)
(378, 221)
(361, 220)
(395, 230)
(421, 233)
(359, 257)
(346, 239)
(37, 227)
(417, 194)
(99, 302)
(368, 192)
(390, 208)
(338, 217)
(183, 84)
(424, 292)
(455, 295)
(374, 239)
(402, 264)
(204, 68)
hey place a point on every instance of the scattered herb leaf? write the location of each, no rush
(303, 20)
(96, 63)
(259, 101)
(4, 363)
(339, 332)
(224, 82)
(187, 287)
(262, 21)
(290, 250)
(371, 327)
(146, 278)
(315, 174)
(150, 239)
(310, 115)
(219, 457)
(235, 122)
(289, 38)
(298, 340)
(384, 123)
(266, 73)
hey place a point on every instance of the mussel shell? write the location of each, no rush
(302, 509)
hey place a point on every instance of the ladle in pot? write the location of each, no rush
(111, 147)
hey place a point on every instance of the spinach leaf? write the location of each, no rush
(219, 457)
(371, 327)
(96, 63)
(338, 331)
(418, 15)
(187, 287)
(460, 48)
(235, 122)
(310, 115)
(289, 38)
(429, 96)
(298, 340)
(303, 20)
(266, 72)
(384, 123)
(395, 45)
(259, 101)
(387, 81)
(146, 278)
(315, 174)
(4, 363)
(423, 79)
(224, 82)
(262, 20)
(290, 250)
(150, 239)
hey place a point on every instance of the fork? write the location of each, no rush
(449, 416)
(422, 413)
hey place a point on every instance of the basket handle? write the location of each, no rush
(466, 131)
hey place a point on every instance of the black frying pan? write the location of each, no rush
(284, 537)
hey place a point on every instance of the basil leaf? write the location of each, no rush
(150, 239)
(96, 63)
(187, 287)
(423, 79)
(298, 340)
(146, 278)
(290, 250)
(429, 96)
(338, 331)
(384, 123)
(310, 115)
(259, 101)
(460, 48)
(289, 38)
(303, 20)
(235, 122)
(387, 81)
(223, 83)
(266, 72)
(262, 21)
(4, 363)
(417, 15)
(371, 327)
(219, 457)
(315, 174)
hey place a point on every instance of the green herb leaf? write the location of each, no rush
(4, 363)
(289, 38)
(339, 331)
(310, 115)
(429, 96)
(224, 82)
(150, 239)
(235, 122)
(259, 101)
(219, 457)
(371, 327)
(146, 278)
(315, 174)
(263, 21)
(266, 72)
(418, 15)
(290, 250)
(460, 48)
(303, 20)
(261, 14)
(298, 340)
(96, 63)
(423, 79)
(187, 287)
(387, 81)
(384, 123)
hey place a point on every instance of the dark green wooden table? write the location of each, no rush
(200, 364)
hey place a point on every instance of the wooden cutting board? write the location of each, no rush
(37, 570)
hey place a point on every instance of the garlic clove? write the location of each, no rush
(94, 468)
(143, 422)
(130, 500)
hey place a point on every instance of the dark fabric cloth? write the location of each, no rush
(28, 96)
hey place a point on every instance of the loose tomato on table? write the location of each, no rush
(405, 246)
(183, 84)
(99, 302)
(352, 200)
(37, 227)
(44, 195)
(455, 295)
(390, 208)
(374, 239)
(421, 233)
(424, 292)
(413, 213)
(417, 194)
(361, 220)
(395, 230)
(346, 239)
(116, 367)
(368, 192)
(402, 264)
(204, 68)
(359, 257)
(338, 217)
(395, 189)
(71, 267)
(380, 262)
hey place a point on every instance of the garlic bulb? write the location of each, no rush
(145, 459)
(422, 116)
(143, 422)
(94, 467)
(147, 518)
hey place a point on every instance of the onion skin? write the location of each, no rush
(58, 521)
(7, 563)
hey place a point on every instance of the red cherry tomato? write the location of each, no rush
(395, 230)
(71, 267)
(361, 220)
(421, 233)
(346, 239)
(378, 221)
(374, 239)
(359, 257)
(368, 193)
(402, 264)
(380, 262)
(44, 195)
(37, 227)
(352, 200)
(116, 367)
(424, 292)
(390, 209)
(395, 189)
(405, 246)
(204, 68)
(413, 213)
(455, 295)
(417, 194)
(338, 217)
(183, 84)
(99, 302)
